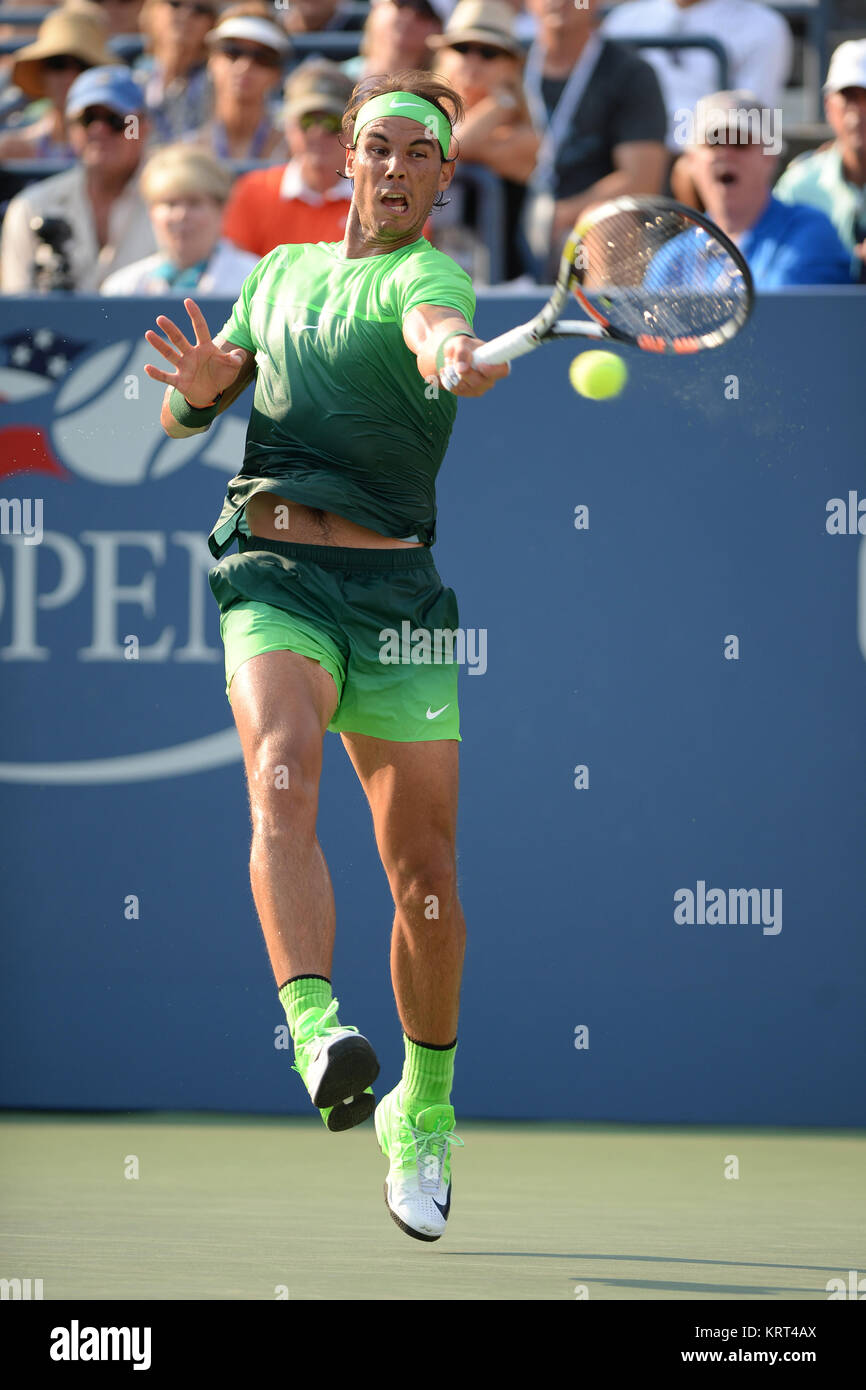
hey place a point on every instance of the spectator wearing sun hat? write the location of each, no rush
(70, 40)
(305, 199)
(185, 190)
(99, 198)
(247, 53)
(833, 178)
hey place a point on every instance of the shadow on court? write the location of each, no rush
(184, 1207)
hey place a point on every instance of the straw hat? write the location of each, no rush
(489, 22)
(77, 29)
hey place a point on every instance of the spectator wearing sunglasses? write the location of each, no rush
(98, 199)
(395, 38)
(247, 53)
(174, 73)
(185, 190)
(480, 56)
(306, 199)
(68, 43)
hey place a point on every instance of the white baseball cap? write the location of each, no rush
(253, 30)
(847, 66)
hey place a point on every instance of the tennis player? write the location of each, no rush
(334, 512)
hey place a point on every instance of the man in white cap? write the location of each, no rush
(98, 199)
(833, 178)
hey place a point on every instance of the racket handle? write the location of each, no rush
(508, 345)
(518, 341)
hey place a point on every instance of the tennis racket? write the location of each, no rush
(648, 272)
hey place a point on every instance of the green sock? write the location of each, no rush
(428, 1074)
(302, 993)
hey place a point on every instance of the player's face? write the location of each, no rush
(846, 112)
(398, 169)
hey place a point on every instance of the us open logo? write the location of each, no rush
(120, 569)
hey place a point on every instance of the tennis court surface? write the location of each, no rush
(261, 1208)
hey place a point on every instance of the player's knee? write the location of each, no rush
(284, 786)
(424, 883)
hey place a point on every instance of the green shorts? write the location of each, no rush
(380, 621)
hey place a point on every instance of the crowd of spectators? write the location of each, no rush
(200, 135)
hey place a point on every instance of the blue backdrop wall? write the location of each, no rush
(133, 971)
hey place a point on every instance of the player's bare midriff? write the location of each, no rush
(307, 526)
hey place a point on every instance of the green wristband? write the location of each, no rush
(190, 415)
(440, 351)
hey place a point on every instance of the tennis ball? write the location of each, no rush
(598, 375)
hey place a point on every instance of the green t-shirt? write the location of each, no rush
(342, 420)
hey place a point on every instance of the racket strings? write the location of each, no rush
(660, 276)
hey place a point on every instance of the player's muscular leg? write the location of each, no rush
(412, 792)
(282, 703)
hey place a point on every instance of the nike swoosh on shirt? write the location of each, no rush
(435, 714)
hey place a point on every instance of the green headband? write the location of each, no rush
(405, 104)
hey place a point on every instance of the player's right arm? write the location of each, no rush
(204, 371)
